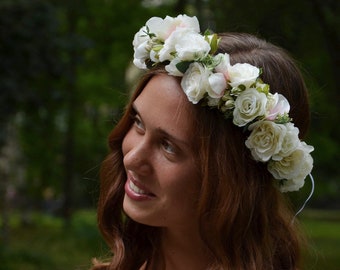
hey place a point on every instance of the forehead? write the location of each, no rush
(163, 104)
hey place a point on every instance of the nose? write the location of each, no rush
(137, 157)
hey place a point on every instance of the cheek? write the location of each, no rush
(183, 201)
(186, 186)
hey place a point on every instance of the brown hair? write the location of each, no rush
(245, 221)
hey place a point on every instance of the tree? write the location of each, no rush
(29, 66)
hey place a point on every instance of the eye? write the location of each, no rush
(138, 122)
(168, 147)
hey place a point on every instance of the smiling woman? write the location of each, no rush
(203, 152)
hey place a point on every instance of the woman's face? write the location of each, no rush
(162, 178)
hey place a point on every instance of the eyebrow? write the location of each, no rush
(162, 131)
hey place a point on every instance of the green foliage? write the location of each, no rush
(322, 231)
(29, 52)
(47, 244)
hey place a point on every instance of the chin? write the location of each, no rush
(136, 213)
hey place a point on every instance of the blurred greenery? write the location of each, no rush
(65, 74)
(322, 231)
(46, 244)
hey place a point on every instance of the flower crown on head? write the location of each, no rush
(235, 90)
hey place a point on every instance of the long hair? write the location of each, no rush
(244, 221)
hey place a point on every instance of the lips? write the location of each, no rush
(136, 190)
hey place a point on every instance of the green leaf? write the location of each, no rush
(147, 32)
(183, 66)
(214, 43)
(283, 119)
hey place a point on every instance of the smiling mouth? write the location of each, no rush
(137, 189)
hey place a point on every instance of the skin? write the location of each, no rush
(162, 177)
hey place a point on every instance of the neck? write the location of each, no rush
(181, 250)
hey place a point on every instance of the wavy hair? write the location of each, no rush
(244, 221)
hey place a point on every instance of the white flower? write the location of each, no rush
(181, 21)
(141, 51)
(172, 69)
(265, 139)
(140, 37)
(290, 142)
(224, 63)
(163, 28)
(293, 168)
(185, 44)
(249, 105)
(217, 85)
(277, 105)
(192, 46)
(235, 90)
(195, 82)
(158, 27)
(155, 32)
(243, 74)
(143, 43)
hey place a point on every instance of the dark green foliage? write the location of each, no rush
(47, 244)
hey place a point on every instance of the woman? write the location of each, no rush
(203, 152)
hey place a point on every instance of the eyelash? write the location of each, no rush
(137, 122)
(166, 145)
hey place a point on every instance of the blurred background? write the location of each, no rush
(65, 74)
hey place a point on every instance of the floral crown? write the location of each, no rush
(235, 90)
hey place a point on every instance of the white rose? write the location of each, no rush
(243, 73)
(293, 168)
(290, 142)
(277, 105)
(192, 46)
(195, 82)
(217, 85)
(265, 139)
(185, 44)
(249, 105)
